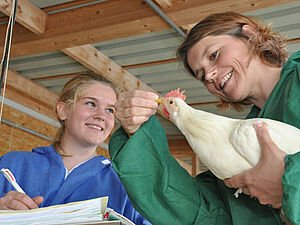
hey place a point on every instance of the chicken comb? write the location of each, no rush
(176, 94)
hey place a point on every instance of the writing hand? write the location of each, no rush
(14, 200)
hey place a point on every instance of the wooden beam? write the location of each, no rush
(54, 77)
(84, 25)
(295, 40)
(139, 65)
(194, 165)
(67, 5)
(180, 148)
(188, 12)
(117, 19)
(99, 63)
(159, 62)
(30, 94)
(164, 3)
(28, 15)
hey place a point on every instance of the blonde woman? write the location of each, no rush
(69, 170)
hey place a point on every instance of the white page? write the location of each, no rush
(83, 211)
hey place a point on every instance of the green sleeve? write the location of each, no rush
(157, 185)
(291, 186)
(283, 105)
(164, 193)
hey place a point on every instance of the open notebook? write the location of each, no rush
(92, 211)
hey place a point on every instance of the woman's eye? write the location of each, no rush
(214, 55)
(91, 104)
(111, 110)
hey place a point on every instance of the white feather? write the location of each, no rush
(227, 146)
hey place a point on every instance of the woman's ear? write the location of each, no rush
(61, 109)
(248, 30)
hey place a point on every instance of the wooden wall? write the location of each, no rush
(12, 138)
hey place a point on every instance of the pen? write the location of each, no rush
(10, 177)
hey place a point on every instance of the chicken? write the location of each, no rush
(226, 146)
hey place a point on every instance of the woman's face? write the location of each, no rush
(222, 62)
(91, 119)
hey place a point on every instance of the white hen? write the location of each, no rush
(226, 146)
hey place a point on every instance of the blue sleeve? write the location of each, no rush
(5, 186)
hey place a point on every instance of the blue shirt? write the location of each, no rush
(42, 173)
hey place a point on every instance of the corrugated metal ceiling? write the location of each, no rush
(146, 48)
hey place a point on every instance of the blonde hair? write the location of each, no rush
(71, 92)
(269, 45)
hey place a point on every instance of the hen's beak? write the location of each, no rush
(160, 101)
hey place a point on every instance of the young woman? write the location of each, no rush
(69, 170)
(241, 61)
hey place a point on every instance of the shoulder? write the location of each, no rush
(291, 65)
(20, 156)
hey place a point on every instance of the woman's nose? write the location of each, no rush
(211, 75)
(99, 114)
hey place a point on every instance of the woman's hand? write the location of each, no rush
(264, 180)
(134, 108)
(14, 200)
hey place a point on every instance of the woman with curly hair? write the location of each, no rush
(242, 61)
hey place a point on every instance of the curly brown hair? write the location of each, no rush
(269, 45)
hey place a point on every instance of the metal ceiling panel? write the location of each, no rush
(151, 47)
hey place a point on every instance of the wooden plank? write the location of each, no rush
(28, 121)
(192, 11)
(28, 15)
(164, 3)
(12, 138)
(98, 22)
(29, 102)
(295, 40)
(99, 63)
(28, 87)
(30, 94)
(180, 148)
(117, 19)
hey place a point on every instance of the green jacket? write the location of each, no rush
(284, 105)
(165, 193)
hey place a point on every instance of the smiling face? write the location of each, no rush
(222, 63)
(90, 120)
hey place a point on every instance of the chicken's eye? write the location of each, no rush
(171, 102)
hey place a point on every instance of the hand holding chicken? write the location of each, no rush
(264, 180)
(227, 146)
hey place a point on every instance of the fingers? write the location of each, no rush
(240, 181)
(234, 182)
(137, 98)
(263, 135)
(38, 200)
(246, 191)
(134, 108)
(17, 201)
(136, 103)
